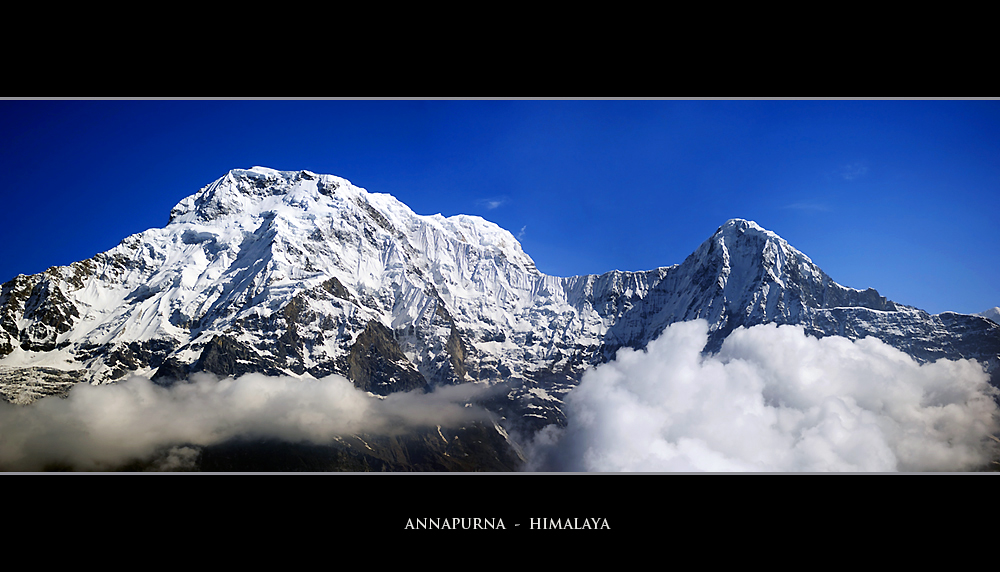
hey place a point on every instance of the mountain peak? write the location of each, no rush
(992, 314)
(296, 273)
(251, 192)
(741, 223)
(739, 226)
(754, 241)
(267, 173)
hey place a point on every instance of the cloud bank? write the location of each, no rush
(772, 399)
(101, 427)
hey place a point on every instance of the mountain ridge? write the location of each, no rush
(296, 273)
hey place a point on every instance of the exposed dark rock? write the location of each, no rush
(376, 216)
(169, 371)
(13, 295)
(326, 187)
(473, 448)
(334, 287)
(39, 300)
(226, 356)
(126, 358)
(375, 363)
(454, 369)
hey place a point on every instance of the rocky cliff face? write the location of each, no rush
(300, 274)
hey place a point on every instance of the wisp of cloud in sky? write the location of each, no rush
(772, 399)
(853, 171)
(807, 206)
(102, 427)
(491, 204)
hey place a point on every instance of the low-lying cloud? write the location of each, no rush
(101, 427)
(773, 399)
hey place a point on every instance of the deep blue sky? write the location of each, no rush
(901, 196)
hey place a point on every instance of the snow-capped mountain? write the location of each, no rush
(301, 274)
(992, 314)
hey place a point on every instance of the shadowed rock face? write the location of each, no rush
(35, 312)
(476, 447)
(295, 273)
(228, 357)
(376, 364)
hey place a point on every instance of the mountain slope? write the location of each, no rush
(991, 314)
(300, 274)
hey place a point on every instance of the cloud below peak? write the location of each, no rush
(773, 399)
(102, 427)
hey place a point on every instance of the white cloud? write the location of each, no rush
(100, 427)
(492, 203)
(808, 206)
(853, 171)
(773, 399)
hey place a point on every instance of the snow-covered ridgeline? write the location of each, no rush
(251, 241)
(293, 266)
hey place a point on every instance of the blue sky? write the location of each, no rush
(901, 196)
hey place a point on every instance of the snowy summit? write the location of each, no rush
(302, 274)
